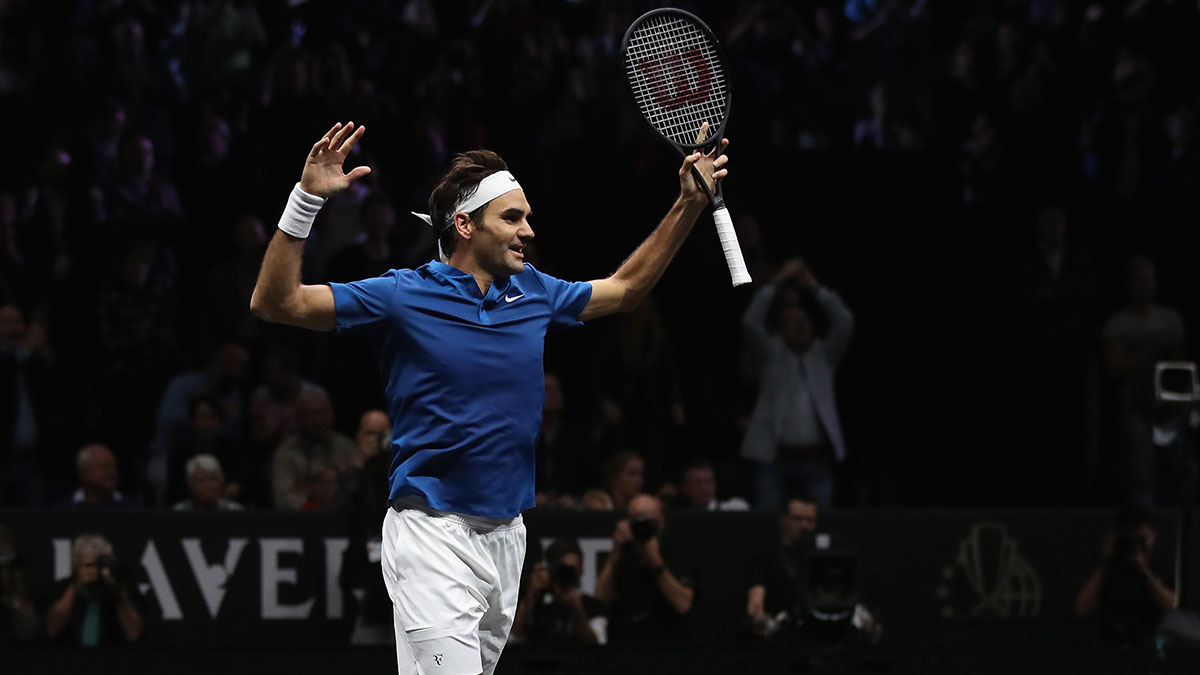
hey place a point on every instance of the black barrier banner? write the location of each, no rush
(257, 578)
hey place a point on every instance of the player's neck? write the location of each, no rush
(464, 262)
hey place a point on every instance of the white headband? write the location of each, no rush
(489, 188)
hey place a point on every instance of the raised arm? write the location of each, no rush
(279, 296)
(639, 273)
(841, 323)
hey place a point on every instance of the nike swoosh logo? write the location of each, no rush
(512, 179)
(514, 299)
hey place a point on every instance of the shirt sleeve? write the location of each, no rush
(365, 303)
(567, 298)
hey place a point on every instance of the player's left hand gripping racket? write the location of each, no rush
(677, 71)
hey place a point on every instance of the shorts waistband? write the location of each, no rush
(480, 524)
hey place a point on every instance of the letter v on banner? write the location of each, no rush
(160, 584)
(212, 578)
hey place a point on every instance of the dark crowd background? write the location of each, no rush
(915, 153)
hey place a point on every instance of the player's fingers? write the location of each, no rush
(324, 142)
(358, 172)
(336, 141)
(721, 161)
(720, 174)
(349, 144)
(689, 162)
(703, 133)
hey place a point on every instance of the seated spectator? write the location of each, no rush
(774, 601)
(698, 489)
(95, 607)
(18, 616)
(597, 500)
(649, 597)
(322, 487)
(205, 437)
(315, 445)
(1125, 591)
(624, 477)
(98, 478)
(552, 609)
(221, 379)
(206, 487)
(273, 403)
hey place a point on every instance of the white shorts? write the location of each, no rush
(453, 581)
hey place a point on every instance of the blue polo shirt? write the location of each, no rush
(464, 378)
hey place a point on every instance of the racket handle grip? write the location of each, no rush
(729, 244)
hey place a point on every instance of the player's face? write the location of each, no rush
(499, 241)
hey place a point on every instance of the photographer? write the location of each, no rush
(94, 607)
(648, 602)
(774, 602)
(1123, 591)
(552, 609)
(18, 617)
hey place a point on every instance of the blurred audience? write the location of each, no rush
(306, 466)
(206, 487)
(98, 480)
(624, 476)
(698, 489)
(1136, 338)
(19, 620)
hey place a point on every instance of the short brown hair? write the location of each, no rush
(460, 182)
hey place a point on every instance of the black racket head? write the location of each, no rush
(679, 76)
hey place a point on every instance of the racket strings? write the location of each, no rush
(677, 77)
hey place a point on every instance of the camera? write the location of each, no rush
(643, 529)
(114, 566)
(563, 575)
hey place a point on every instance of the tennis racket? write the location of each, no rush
(677, 72)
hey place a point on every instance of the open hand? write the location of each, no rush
(711, 168)
(323, 174)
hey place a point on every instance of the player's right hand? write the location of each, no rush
(323, 174)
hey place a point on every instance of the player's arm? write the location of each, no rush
(633, 280)
(279, 296)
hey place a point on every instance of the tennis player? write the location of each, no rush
(460, 345)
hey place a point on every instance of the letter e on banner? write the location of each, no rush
(273, 575)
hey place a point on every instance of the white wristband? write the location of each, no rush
(301, 210)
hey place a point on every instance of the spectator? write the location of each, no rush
(552, 609)
(648, 594)
(273, 403)
(228, 286)
(1125, 592)
(562, 462)
(774, 601)
(26, 408)
(18, 617)
(206, 487)
(1135, 339)
(363, 496)
(95, 607)
(220, 384)
(624, 476)
(698, 489)
(306, 466)
(795, 433)
(98, 478)
(1056, 293)
(373, 255)
(597, 500)
(205, 437)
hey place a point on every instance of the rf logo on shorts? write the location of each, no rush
(437, 658)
